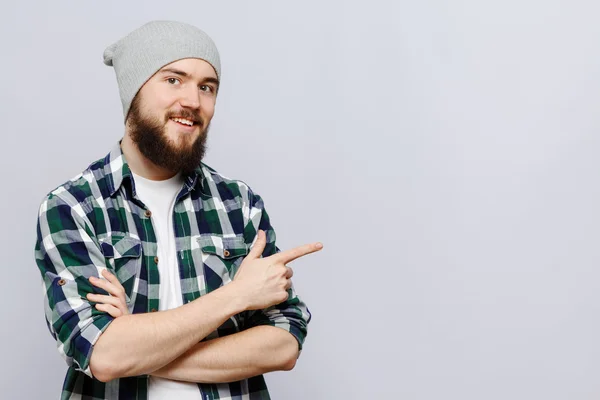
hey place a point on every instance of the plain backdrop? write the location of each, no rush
(445, 153)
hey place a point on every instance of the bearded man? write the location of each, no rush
(162, 279)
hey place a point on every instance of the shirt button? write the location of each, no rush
(155, 260)
(226, 253)
(61, 282)
(148, 213)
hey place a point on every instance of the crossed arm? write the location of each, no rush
(254, 351)
(167, 343)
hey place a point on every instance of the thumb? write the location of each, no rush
(259, 245)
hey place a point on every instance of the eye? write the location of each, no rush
(206, 88)
(173, 81)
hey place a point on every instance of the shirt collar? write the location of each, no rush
(117, 169)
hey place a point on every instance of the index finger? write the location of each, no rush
(297, 252)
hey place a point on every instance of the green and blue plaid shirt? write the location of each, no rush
(96, 221)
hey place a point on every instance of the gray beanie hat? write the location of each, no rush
(139, 55)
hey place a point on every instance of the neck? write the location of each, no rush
(140, 165)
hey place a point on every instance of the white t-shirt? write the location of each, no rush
(159, 197)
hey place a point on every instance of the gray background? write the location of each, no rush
(444, 152)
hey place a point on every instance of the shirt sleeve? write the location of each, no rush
(67, 254)
(292, 315)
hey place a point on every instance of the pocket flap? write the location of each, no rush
(118, 246)
(225, 247)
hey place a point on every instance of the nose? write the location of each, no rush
(190, 98)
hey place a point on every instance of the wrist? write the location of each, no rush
(234, 298)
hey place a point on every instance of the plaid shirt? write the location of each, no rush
(95, 220)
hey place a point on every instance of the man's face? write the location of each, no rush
(169, 117)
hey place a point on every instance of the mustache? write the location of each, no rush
(186, 114)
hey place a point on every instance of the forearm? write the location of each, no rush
(137, 344)
(231, 358)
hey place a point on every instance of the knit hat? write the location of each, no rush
(139, 55)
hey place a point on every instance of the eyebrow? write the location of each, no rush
(184, 74)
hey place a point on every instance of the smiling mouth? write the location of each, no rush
(184, 121)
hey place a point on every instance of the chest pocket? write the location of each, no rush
(123, 259)
(222, 257)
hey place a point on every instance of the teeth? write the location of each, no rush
(183, 121)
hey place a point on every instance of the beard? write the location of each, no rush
(149, 134)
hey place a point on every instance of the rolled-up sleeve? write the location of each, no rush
(67, 254)
(292, 315)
